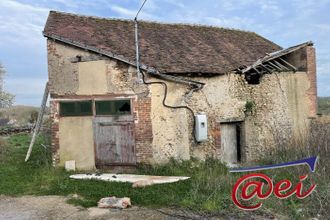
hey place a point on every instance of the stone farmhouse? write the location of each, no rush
(205, 92)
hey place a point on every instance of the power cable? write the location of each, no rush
(159, 83)
(139, 10)
(173, 107)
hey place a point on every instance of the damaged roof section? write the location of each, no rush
(169, 48)
(291, 59)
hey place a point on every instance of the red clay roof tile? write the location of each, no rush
(170, 48)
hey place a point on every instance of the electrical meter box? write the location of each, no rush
(201, 127)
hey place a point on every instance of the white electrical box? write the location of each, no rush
(201, 127)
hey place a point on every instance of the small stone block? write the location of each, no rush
(70, 165)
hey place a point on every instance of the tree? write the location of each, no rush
(6, 99)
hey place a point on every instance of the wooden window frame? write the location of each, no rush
(90, 113)
(112, 100)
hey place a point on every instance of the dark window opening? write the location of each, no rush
(113, 107)
(76, 108)
(253, 79)
(126, 107)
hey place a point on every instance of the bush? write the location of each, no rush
(33, 117)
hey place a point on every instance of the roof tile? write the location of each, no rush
(170, 48)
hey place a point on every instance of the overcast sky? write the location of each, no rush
(287, 23)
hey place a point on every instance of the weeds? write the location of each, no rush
(208, 191)
(313, 144)
(324, 105)
(250, 107)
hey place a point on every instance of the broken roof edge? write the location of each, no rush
(276, 54)
(286, 51)
(150, 70)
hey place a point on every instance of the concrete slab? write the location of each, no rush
(131, 178)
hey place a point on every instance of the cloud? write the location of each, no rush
(287, 23)
(325, 28)
(271, 7)
(232, 22)
(28, 90)
(123, 11)
(131, 13)
(175, 3)
(323, 69)
(21, 23)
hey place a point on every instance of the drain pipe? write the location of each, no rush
(138, 72)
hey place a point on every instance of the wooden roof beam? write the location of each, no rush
(281, 65)
(288, 64)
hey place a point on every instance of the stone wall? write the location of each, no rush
(269, 114)
(278, 114)
(99, 78)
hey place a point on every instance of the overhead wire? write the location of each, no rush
(139, 10)
(158, 82)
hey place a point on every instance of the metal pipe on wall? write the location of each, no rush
(139, 77)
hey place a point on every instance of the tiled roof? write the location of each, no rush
(169, 48)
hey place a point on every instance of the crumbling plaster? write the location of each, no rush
(279, 114)
(99, 77)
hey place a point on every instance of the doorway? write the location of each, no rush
(231, 142)
(114, 133)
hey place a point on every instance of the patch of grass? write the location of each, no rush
(208, 191)
(81, 202)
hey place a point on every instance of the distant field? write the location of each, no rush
(20, 113)
(324, 105)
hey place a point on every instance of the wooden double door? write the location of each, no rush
(114, 142)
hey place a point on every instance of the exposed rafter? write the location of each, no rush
(273, 62)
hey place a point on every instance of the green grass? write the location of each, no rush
(324, 105)
(208, 191)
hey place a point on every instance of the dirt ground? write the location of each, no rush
(55, 207)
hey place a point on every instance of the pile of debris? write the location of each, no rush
(114, 202)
